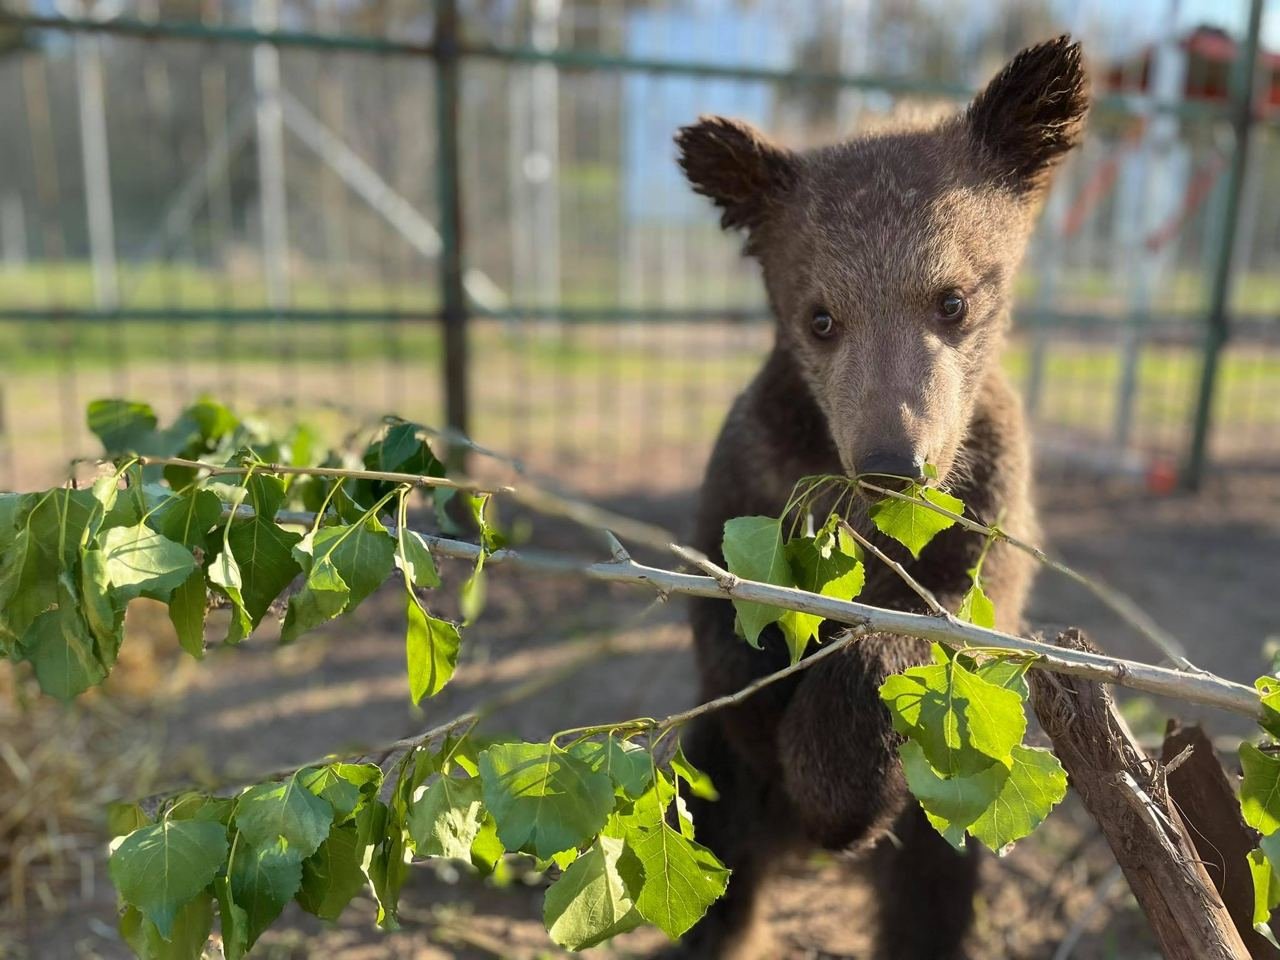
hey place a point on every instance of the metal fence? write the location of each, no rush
(468, 212)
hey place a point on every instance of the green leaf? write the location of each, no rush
(1007, 672)
(324, 595)
(1260, 789)
(199, 806)
(487, 850)
(1035, 785)
(286, 810)
(753, 550)
(591, 902)
(1266, 892)
(190, 933)
(472, 593)
(1268, 690)
(124, 818)
(188, 518)
(951, 803)
(381, 837)
(699, 783)
(912, 524)
(160, 867)
(976, 607)
(827, 564)
(224, 575)
(681, 878)
(263, 880)
(233, 919)
(627, 764)
(962, 722)
(344, 564)
(123, 426)
(445, 819)
(142, 562)
(431, 649)
(46, 546)
(263, 553)
(543, 799)
(103, 607)
(332, 875)
(62, 650)
(346, 786)
(414, 558)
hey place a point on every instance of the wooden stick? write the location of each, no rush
(1125, 793)
(1200, 790)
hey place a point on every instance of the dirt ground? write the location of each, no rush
(1204, 568)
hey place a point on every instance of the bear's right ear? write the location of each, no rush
(737, 166)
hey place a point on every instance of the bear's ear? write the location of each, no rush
(737, 166)
(1031, 114)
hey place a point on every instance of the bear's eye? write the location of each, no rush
(822, 325)
(952, 306)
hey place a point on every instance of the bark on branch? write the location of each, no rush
(1126, 793)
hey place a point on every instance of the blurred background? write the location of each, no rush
(468, 212)
(186, 208)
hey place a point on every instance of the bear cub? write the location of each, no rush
(888, 261)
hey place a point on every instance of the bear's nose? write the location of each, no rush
(892, 470)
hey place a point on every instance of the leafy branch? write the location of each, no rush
(601, 809)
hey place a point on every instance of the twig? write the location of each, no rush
(1113, 599)
(1199, 687)
(923, 592)
(542, 501)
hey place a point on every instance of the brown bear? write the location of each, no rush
(888, 261)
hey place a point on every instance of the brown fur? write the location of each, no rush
(870, 231)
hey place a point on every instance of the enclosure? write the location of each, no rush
(468, 213)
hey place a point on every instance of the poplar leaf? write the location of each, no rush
(61, 649)
(627, 764)
(753, 550)
(1260, 789)
(287, 810)
(962, 722)
(681, 878)
(332, 875)
(161, 867)
(414, 558)
(140, 562)
(190, 935)
(976, 607)
(951, 803)
(263, 880)
(592, 902)
(1035, 785)
(431, 650)
(543, 799)
(912, 524)
(445, 819)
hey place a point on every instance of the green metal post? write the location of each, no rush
(452, 294)
(1243, 82)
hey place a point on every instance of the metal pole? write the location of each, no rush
(1243, 79)
(97, 172)
(452, 294)
(275, 229)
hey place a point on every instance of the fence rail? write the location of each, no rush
(452, 308)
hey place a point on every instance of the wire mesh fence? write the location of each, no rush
(245, 199)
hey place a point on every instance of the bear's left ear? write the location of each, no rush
(737, 166)
(1031, 114)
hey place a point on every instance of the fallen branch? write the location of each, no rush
(1125, 793)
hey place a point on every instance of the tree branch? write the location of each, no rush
(1198, 687)
(1113, 599)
